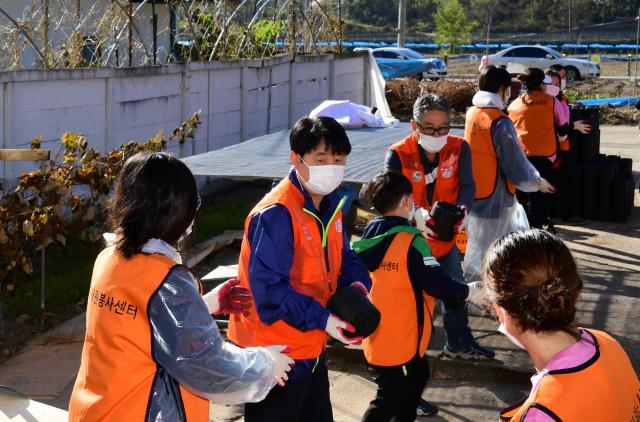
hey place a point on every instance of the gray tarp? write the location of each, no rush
(267, 157)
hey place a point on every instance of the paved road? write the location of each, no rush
(609, 259)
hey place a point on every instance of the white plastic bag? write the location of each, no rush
(482, 232)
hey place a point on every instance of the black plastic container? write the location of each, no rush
(445, 216)
(352, 306)
(621, 188)
(588, 146)
(572, 197)
(626, 165)
(606, 173)
(589, 194)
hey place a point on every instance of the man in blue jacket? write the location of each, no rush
(294, 256)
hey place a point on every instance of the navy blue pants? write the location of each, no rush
(305, 398)
(399, 391)
(455, 319)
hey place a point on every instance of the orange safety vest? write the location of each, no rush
(604, 388)
(310, 275)
(395, 341)
(117, 369)
(477, 131)
(446, 188)
(532, 115)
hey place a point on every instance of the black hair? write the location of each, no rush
(533, 276)
(308, 132)
(429, 102)
(155, 196)
(532, 78)
(552, 73)
(557, 68)
(387, 189)
(493, 78)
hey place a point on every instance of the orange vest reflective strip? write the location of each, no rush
(446, 188)
(395, 341)
(477, 132)
(604, 388)
(309, 275)
(117, 370)
(532, 115)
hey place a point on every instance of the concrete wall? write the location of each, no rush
(239, 100)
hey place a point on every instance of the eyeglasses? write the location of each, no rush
(433, 131)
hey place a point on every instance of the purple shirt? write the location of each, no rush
(572, 356)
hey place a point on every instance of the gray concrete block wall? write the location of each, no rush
(238, 101)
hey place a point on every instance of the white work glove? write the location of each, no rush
(582, 126)
(545, 187)
(422, 217)
(282, 363)
(477, 294)
(336, 328)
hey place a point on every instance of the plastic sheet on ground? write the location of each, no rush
(612, 102)
(351, 115)
(395, 68)
(481, 232)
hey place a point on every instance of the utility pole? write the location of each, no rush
(402, 22)
(486, 50)
(569, 20)
(635, 75)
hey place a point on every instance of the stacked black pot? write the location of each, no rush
(593, 186)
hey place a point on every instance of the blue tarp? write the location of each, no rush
(613, 102)
(393, 68)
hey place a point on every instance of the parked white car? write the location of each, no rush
(517, 59)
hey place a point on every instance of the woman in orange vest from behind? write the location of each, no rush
(499, 165)
(582, 374)
(152, 351)
(534, 117)
(407, 279)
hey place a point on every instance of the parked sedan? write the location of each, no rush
(396, 62)
(517, 59)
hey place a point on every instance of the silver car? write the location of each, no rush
(517, 59)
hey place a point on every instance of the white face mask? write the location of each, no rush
(187, 232)
(432, 144)
(503, 329)
(412, 212)
(563, 84)
(551, 90)
(507, 95)
(324, 179)
(514, 340)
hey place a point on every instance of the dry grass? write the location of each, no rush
(402, 93)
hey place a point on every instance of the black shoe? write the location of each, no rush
(476, 352)
(426, 409)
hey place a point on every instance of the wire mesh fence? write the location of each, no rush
(56, 34)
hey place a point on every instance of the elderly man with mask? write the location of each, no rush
(439, 167)
(294, 256)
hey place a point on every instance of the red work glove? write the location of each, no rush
(457, 228)
(228, 298)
